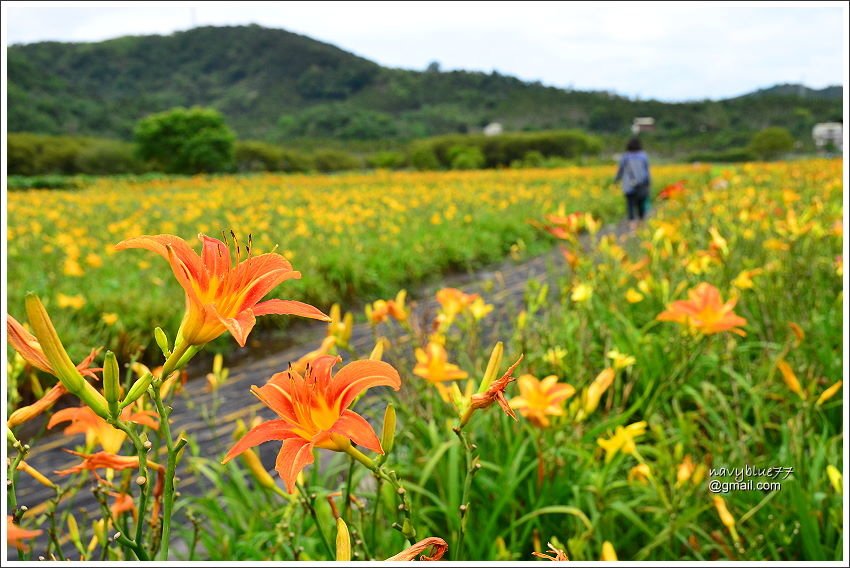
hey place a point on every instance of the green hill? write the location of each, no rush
(275, 85)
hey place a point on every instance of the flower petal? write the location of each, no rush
(358, 376)
(265, 432)
(295, 454)
(289, 308)
(215, 256)
(276, 395)
(355, 428)
(258, 287)
(160, 244)
(27, 345)
(240, 326)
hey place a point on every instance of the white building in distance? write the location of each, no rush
(829, 133)
(493, 129)
(643, 124)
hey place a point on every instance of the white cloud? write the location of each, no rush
(668, 52)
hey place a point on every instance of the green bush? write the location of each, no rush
(731, 155)
(253, 156)
(186, 141)
(35, 154)
(335, 161)
(54, 181)
(423, 157)
(390, 160)
(106, 157)
(505, 149)
(771, 143)
(296, 162)
(40, 155)
(466, 158)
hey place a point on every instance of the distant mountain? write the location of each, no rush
(797, 90)
(275, 85)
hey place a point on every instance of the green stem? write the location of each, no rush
(390, 477)
(168, 496)
(467, 486)
(174, 360)
(309, 504)
(375, 508)
(347, 494)
(179, 357)
(13, 473)
(142, 452)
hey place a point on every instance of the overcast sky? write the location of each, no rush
(677, 52)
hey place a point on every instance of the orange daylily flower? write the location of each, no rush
(123, 503)
(440, 547)
(705, 312)
(538, 399)
(380, 310)
(100, 460)
(432, 364)
(454, 301)
(28, 346)
(15, 535)
(220, 296)
(83, 420)
(495, 393)
(314, 412)
(672, 191)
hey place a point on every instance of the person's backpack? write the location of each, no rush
(634, 174)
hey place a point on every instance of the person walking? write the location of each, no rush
(633, 173)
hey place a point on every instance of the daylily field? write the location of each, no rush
(673, 392)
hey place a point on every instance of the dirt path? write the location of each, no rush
(502, 285)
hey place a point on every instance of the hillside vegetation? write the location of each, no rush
(277, 86)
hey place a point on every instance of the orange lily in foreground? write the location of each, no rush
(220, 296)
(84, 421)
(705, 311)
(15, 535)
(314, 412)
(539, 399)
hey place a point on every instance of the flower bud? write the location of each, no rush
(92, 398)
(73, 529)
(378, 352)
(99, 529)
(111, 384)
(608, 552)
(835, 478)
(343, 541)
(492, 367)
(258, 472)
(139, 388)
(10, 437)
(829, 393)
(50, 343)
(35, 474)
(162, 341)
(388, 432)
(218, 364)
